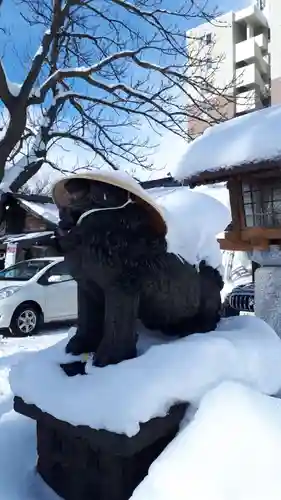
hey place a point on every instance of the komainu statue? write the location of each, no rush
(113, 237)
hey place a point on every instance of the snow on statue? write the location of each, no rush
(113, 236)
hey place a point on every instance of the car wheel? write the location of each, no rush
(25, 321)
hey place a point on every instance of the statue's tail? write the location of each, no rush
(211, 274)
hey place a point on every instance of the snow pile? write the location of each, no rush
(250, 138)
(230, 451)
(119, 398)
(18, 480)
(217, 191)
(194, 219)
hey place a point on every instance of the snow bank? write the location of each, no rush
(118, 398)
(230, 451)
(217, 191)
(194, 219)
(246, 139)
(18, 480)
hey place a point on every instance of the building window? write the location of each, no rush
(208, 38)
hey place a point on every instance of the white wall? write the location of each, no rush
(222, 33)
(273, 12)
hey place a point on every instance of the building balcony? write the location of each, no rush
(248, 78)
(262, 42)
(249, 52)
(248, 101)
(251, 15)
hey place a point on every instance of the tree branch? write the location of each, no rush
(5, 94)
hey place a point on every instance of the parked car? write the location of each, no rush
(34, 292)
(240, 299)
(238, 276)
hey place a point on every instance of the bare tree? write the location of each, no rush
(40, 186)
(106, 75)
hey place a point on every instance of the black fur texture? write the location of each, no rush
(124, 272)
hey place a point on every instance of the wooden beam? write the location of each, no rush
(234, 193)
(259, 244)
(260, 233)
(232, 236)
(235, 171)
(238, 246)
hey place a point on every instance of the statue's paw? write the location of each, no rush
(78, 345)
(106, 356)
(104, 359)
(74, 368)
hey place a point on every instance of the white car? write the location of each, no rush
(36, 291)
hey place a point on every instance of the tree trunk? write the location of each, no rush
(12, 137)
(26, 174)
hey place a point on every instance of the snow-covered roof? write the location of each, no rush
(14, 238)
(246, 140)
(47, 211)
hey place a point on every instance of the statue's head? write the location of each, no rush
(85, 194)
(81, 193)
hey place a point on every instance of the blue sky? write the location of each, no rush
(23, 43)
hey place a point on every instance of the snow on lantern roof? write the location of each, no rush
(247, 141)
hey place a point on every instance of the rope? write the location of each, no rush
(85, 214)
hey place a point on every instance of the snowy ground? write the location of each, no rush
(17, 434)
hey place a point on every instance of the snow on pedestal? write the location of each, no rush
(98, 434)
(119, 398)
(268, 296)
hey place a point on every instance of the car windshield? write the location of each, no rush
(24, 271)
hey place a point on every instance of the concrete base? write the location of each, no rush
(270, 257)
(268, 296)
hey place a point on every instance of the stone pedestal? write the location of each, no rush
(80, 463)
(268, 296)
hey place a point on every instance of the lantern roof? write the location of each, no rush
(243, 144)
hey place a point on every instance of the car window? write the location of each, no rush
(24, 271)
(58, 273)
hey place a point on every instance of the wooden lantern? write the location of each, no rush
(244, 152)
(255, 202)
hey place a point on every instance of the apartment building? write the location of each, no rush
(247, 44)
